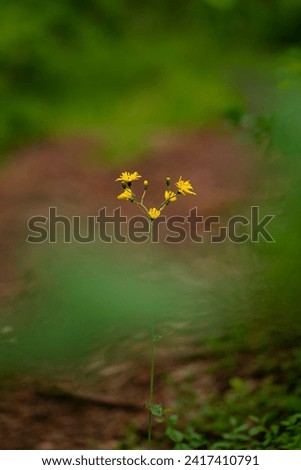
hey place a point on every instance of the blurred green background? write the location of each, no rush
(124, 71)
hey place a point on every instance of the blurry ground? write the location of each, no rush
(65, 174)
(66, 415)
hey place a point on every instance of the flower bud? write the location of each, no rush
(123, 184)
(145, 184)
(168, 181)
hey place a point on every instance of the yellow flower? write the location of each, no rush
(185, 187)
(170, 196)
(127, 194)
(154, 213)
(128, 177)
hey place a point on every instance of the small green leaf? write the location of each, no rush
(156, 410)
(241, 428)
(275, 428)
(157, 338)
(254, 418)
(175, 435)
(292, 419)
(233, 421)
(172, 420)
(256, 430)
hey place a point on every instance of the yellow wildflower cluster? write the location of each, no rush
(126, 178)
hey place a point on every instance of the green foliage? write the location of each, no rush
(124, 70)
(228, 422)
(189, 439)
(254, 434)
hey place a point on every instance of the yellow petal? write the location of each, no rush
(154, 213)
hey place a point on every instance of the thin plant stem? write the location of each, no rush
(143, 196)
(142, 208)
(152, 349)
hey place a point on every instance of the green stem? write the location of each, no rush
(151, 388)
(142, 208)
(152, 351)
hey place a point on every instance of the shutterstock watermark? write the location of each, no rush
(116, 227)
